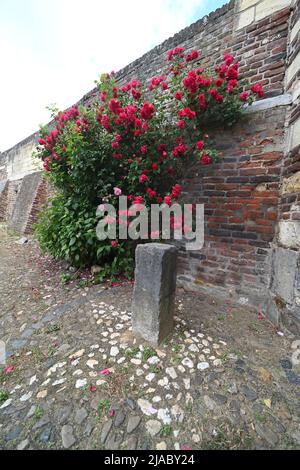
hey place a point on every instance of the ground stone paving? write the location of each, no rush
(77, 378)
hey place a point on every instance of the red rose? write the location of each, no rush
(206, 160)
(178, 95)
(143, 178)
(200, 145)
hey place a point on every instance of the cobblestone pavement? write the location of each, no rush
(76, 377)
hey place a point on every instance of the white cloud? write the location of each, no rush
(52, 51)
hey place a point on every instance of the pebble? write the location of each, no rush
(161, 446)
(164, 416)
(42, 394)
(133, 423)
(81, 383)
(23, 445)
(153, 427)
(92, 363)
(114, 351)
(188, 363)
(171, 372)
(150, 377)
(203, 366)
(146, 407)
(26, 397)
(80, 415)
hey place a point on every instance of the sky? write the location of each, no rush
(51, 51)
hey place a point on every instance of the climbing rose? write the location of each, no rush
(178, 95)
(206, 160)
(200, 145)
(258, 90)
(244, 96)
(114, 244)
(143, 178)
(147, 111)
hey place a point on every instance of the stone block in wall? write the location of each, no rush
(293, 69)
(3, 199)
(252, 11)
(266, 7)
(284, 298)
(291, 185)
(285, 269)
(289, 234)
(294, 135)
(24, 201)
(245, 4)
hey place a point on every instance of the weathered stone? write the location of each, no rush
(23, 444)
(119, 418)
(153, 427)
(249, 392)
(154, 291)
(131, 443)
(266, 434)
(68, 439)
(80, 415)
(105, 431)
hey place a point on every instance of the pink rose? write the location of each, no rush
(117, 191)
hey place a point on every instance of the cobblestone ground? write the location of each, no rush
(78, 379)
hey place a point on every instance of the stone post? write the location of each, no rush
(154, 291)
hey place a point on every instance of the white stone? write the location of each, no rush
(187, 383)
(114, 351)
(26, 397)
(163, 382)
(6, 404)
(188, 363)
(156, 399)
(203, 365)
(100, 382)
(77, 372)
(146, 407)
(164, 415)
(171, 372)
(178, 414)
(42, 394)
(92, 363)
(32, 380)
(58, 382)
(150, 377)
(153, 427)
(161, 446)
(139, 372)
(77, 354)
(217, 362)
(181, 369)
(153, 360)
(193, 348)
(136, 362)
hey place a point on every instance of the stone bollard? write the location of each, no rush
(154, 291)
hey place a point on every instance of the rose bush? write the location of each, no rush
(132, 140)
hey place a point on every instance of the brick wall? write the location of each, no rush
(255, 189)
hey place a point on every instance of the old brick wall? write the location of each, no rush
(254, 191)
